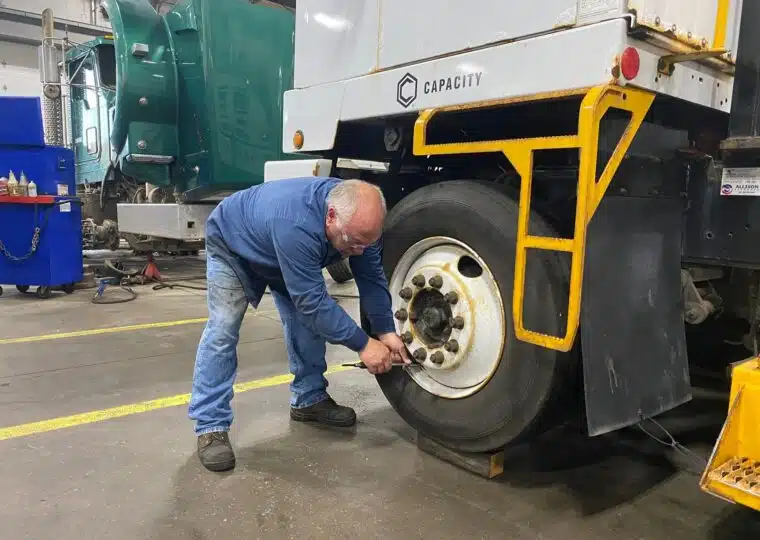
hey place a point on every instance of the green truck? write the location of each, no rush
(90, 70)
(175, 111)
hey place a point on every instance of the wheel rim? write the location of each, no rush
(442, 291)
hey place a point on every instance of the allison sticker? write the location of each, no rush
(409, 86)
(740, 181)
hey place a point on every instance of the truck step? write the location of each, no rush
(742, 473)
(733, 472)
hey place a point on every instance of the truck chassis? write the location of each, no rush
(555, 234)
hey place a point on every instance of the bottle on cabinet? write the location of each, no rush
(12, 185)
(23, 185)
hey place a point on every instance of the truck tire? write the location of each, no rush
(340, 271)
(491, 389)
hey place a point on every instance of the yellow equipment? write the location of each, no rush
(733, 472)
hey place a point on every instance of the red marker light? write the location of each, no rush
(630, 63)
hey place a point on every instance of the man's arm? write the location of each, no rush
(375, 299)
(301, 266)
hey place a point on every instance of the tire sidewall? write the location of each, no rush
(511, 402)
(340, 271)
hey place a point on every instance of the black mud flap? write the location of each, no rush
(632, 331)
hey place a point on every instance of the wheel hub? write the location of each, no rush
(438, 302)
(430, 316)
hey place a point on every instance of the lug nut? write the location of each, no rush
(401, 314)
(407, 338)
(420, 354)
(436, 282)
(451, 297)
(451, 346)
(406, 293)
(437, 358)
(457, 322)
(418, 281)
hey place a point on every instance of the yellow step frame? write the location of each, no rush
(596, 102)
(739, 440)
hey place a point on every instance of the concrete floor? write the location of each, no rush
(137, 476)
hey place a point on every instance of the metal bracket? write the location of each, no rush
(596, 102)
(666, 65)
(150, 158)
(140, 50)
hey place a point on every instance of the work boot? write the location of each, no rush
(325, 412)
(215, 451)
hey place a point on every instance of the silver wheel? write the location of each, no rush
(494, 389)
(449, 312)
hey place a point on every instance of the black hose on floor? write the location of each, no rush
(100, 298)
(174, 285)
(131, 277)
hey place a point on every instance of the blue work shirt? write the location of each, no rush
(273, 235)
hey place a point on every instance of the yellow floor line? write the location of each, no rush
(115, 329)
(63, 422)
(99, 331)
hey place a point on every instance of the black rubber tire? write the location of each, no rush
(43, 292)
(22, 288)
(340, 271)
(523, 394)
(69, 288)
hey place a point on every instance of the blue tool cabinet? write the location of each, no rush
(54, 260)
(57, 260)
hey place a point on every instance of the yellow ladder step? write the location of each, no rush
(739, 472)
(550, 243)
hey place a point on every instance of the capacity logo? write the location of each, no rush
(408, 86)
(726, 189)
(406, 90)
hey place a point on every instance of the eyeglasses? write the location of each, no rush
(348, 240)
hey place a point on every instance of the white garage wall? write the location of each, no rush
(19, 74)
(82, 11)
(21, 34)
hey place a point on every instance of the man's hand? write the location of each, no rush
(396, 346)
(376, 356)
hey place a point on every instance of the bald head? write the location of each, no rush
(355, 214)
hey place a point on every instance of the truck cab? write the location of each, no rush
(91, 72)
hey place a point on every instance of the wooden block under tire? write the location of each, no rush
(486, 464)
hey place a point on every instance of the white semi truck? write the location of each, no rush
(573, 189)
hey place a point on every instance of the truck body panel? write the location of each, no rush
(338, 40)
(565, 60)
(692, 22)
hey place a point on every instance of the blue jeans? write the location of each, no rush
(216, 360)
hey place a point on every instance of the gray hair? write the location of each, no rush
(344, 198)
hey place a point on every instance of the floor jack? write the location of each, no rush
(123, 279)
